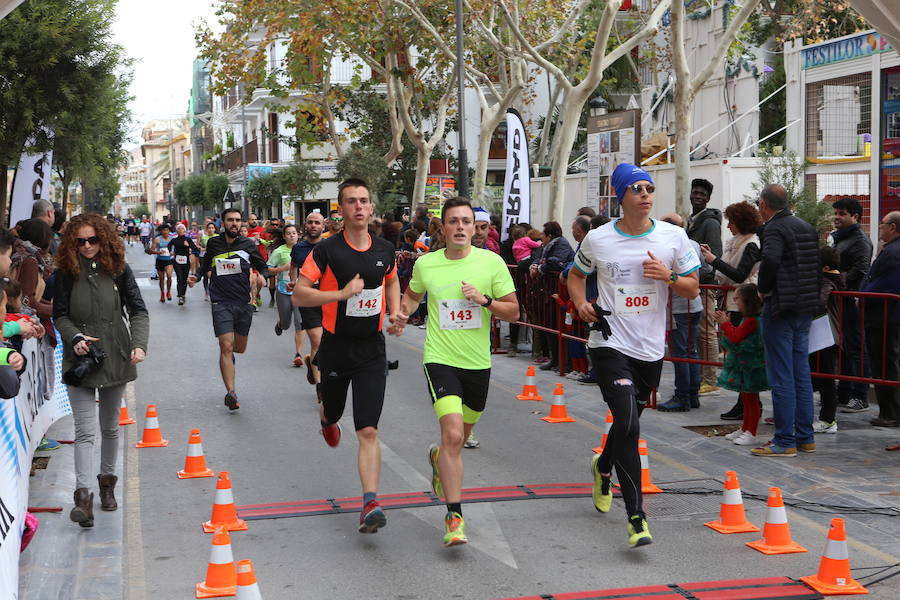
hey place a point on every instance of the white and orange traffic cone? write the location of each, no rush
(195, 462)
(731, 512)
(776, 537)
(221, 577)
(833, 577)
(124, 417)
(529, 389)
(606, 427)
(558, 413)
(247, 588)
(224, 512)
(647, 486)
(152, 435)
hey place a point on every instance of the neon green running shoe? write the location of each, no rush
(436, 487)
(638, 533)
(455, 529)
(602, 489)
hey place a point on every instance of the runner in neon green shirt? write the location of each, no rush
(465, 287)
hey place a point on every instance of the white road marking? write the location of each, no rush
(488, 535)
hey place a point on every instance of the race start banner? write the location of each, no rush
(30, 184)
(24, 420)
(517, 185)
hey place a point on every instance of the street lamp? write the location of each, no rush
(598, 106)
(462, 156)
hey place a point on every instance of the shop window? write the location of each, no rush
(839, 119)
(890, 146)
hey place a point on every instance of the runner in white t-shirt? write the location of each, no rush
(638, 260)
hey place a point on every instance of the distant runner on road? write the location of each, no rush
(637, 259)
(356, 275)
(228, 260)
(465, 287)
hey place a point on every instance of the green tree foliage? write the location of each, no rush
(263, 191)
(51, 53)
(789, 171)
(214, 187)
(299, 180)
(141, 210)
(366, 164)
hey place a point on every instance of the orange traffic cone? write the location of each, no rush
(647, 486)
(221, 578)
(834, 569)
(776, 538)
(124, 417)
(529, 390)
(731, 513)
(247, 589)
(608, 425)
(558, 412)
(152, 435)
(195, 462)
(224, 512)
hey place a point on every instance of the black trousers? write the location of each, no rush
(884, 357)
(626, 384)
(181, 277)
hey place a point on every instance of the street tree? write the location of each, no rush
(263, 191)
(299, 180)
(214, 187)
(47, 48)
(687, 86)
(550, 48)
(365, 163)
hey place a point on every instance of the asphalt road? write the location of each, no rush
(274, 452)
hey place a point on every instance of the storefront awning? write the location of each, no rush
(883, 16)
(6, 6)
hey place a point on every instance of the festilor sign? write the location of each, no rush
(858, 46)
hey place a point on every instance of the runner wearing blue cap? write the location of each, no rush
(637, 260)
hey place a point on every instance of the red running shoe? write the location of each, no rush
(371, 518)
(168, 295)
(332, 434)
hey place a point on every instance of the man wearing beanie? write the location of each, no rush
(637, 260)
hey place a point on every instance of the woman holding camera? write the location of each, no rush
(104, 328)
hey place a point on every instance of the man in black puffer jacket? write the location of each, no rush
(789, 279)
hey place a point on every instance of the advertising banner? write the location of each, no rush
(31, 183)
(612, 139)
(517, 185)
(42, 399)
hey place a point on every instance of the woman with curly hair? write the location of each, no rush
(738, 264)
(95, 293)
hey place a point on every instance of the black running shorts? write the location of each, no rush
(360, 361)
(231, 318)
(311, 317)
(469, 384)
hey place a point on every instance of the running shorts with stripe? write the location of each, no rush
(454, 390)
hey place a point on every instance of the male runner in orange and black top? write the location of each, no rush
(356, 275)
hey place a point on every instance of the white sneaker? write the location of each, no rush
(574, 375)
(823, 427)
(734, 434)
(746, 439)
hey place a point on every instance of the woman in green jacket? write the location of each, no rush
(104, 328)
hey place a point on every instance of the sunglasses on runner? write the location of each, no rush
(93, 241)
(637, 187)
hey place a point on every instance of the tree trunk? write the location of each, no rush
(566, 132)
(683, 97)
(490, 119)
(423, 154)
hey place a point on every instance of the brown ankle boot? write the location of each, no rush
(83, 511)
(107, 485)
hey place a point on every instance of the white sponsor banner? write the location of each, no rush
(31, 183)
(517, 185)
(42, 399)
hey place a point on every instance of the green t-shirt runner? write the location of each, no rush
(278, 258)
(458, 331)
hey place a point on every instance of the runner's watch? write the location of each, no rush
(487, 301)
(672, 278)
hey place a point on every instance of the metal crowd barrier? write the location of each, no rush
(542, 298)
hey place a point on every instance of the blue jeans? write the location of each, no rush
(786, 340)
(683, 344)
